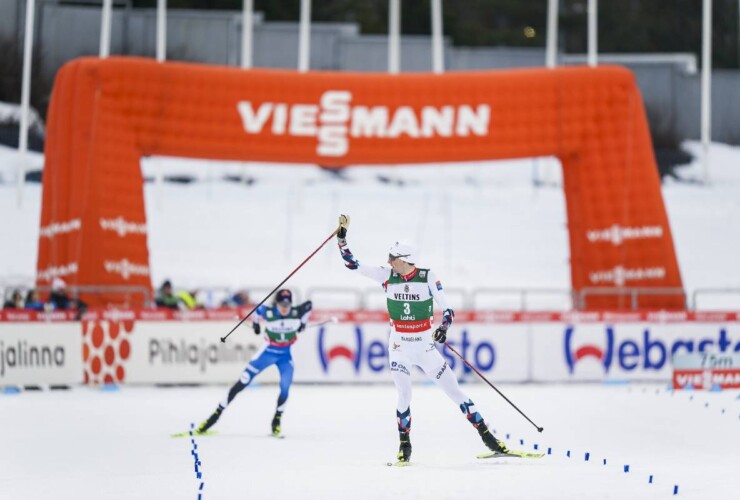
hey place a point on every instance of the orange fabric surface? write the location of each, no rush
(106, 114)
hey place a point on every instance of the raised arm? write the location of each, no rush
(378, 274)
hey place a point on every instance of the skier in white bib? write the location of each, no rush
(410, 293)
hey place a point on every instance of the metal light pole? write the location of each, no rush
(105, 25)
(437, 49)
(394, 36)
(304, 36)
(247, 34)
(593, 31)
(552, 33)
(25, 97)
(706, 86)
(161, 30)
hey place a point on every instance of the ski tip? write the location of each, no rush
(194, 434)
(398, 464)
(511, 454)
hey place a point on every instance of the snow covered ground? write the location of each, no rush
(86, 443)
(477, 224)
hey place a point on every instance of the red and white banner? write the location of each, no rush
(40, 353)
(163, 346)
(708, 370)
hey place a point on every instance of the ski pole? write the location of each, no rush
(223, 339)
(333, 319)
(539, 429)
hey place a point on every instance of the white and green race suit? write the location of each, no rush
(410, 301)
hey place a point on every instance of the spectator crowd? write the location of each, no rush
(59, 298)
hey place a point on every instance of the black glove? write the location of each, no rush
(343, 224)
(302, 327)
(440, 335)
(256, 327)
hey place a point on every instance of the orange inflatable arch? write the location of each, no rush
(106, 114)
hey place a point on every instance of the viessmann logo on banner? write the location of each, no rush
(334, 121)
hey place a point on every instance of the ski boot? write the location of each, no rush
(489, 440)
(404, 450)
(276, 423)
(210, 421)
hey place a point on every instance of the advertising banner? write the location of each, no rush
(622, 351)
(706, 370)
(348, 352)
(174, 352)
(40, 353)
(177, 347)
(619, 238)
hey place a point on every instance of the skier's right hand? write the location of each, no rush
(343, 225)
(256, 328)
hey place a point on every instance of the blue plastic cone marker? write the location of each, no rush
(11, 389)
(567, 453)
(198, 475)
(651, 479)
(689, 387)
(605, 461)
(626, 468)
(549, 451)
(587, 456)
(536, 447)
(675, 489)
(716, 388)
(201, 486)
